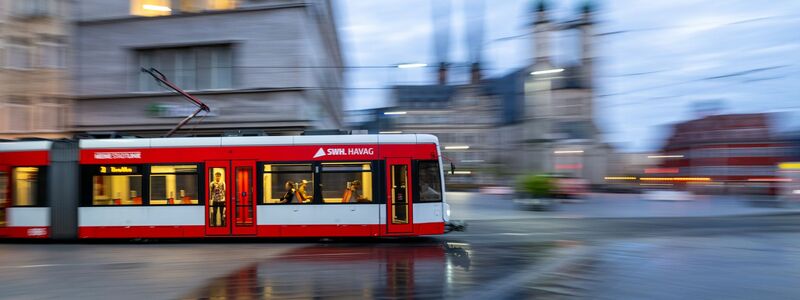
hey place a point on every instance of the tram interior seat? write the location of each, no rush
(346, 196)
(301, 198)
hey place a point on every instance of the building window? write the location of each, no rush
(47, 117)
(429, 183)
(18, 54)
(117, 185)
(52, 55)
(191, 68)
(203, 5)
(19, 112)
(174, 185)
(50, 114)
(287, 183)
(33, 8)
(151, 8)
(349, 182)
(27, 187)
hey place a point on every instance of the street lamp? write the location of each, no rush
(411, 65)
(460, 147)
(567, 151)
(549, 71)
(665, 156)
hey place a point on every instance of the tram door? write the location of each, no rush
(4, 194)
(230, 200)
(399, 207)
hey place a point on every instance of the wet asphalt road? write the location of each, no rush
(736, 257)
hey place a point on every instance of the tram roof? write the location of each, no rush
(14, 146)
(366, 139)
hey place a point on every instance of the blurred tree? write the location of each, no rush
(536, 186)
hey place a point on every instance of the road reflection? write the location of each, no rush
(346, 271)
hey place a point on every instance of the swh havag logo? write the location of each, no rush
(342, 151)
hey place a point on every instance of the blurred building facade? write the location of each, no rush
(539, 118)
(271, 66)
(34, 91)
(734, 149)
(466, 118)
(559, 128)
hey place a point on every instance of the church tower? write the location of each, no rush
(585, 27)
(542, 35)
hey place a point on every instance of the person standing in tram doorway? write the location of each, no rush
(217, 190)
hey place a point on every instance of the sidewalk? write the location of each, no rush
(475, 206)
(749, 266)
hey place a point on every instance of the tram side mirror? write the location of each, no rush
(452, 168)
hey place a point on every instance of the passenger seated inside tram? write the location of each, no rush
(290, 190)
(353, 193)
(302, 195)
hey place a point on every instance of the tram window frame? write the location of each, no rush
(200, 182)
(87, 184)
(374, 179)
(41, 187)
(261, 193)
(316, 170)
(416, 181)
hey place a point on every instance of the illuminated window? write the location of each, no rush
(25, 186)
(151, 8)
(217, 192)
(173, 185)
(117, 185)
(287, 183)
(429, 183)
(202, 5)
(349, 182)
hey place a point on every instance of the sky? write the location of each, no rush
(654, 60)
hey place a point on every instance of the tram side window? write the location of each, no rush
(429, 182)
(117, 185)
(173, 185)
(349, 182)
(287, 183)
(27, 184)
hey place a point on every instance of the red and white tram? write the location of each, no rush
(282, 186)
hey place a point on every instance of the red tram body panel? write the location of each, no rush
(26, 217)
(301, 186)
